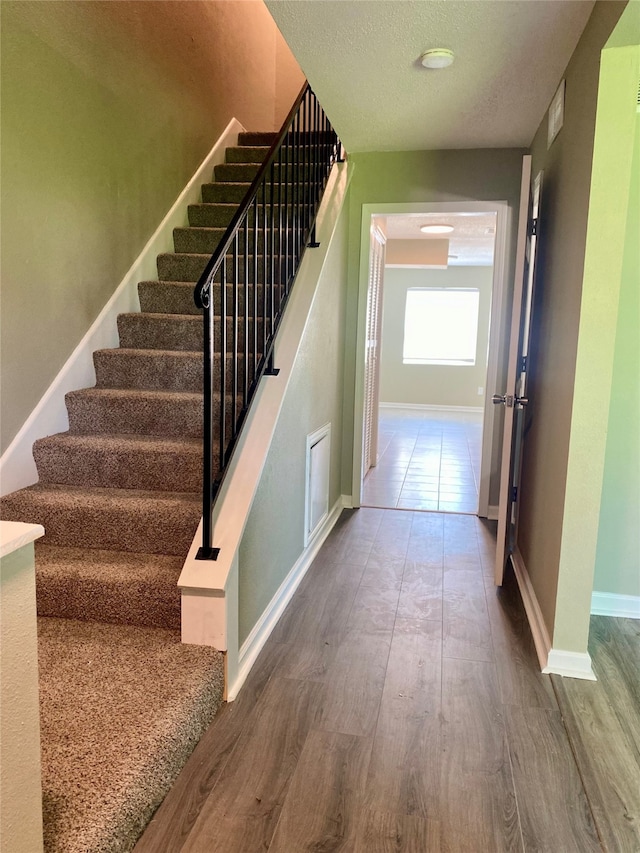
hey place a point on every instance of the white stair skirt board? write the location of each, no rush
(17, 468)
(428, 407)
(552, 661)
(254, 643)
(611, 604)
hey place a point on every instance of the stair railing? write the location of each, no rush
(248, 280)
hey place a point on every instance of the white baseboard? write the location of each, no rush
(570, 665)
(611, 604)
(492, 512)
(17, 468)
(541, 638)
(261, 632)
(428, 407)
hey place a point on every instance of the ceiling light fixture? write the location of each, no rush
(436, 229)
(437, 57)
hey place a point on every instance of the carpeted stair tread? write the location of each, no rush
(118, 587)
(121, 710)
(113, 519)
(120, 461)
(153, 370)
(142, 412)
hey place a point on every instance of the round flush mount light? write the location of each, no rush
(437, 57)
(436, 229)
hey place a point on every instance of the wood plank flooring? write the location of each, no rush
(398, 707)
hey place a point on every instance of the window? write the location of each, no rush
(441, 326)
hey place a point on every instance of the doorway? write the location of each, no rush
(433, 416)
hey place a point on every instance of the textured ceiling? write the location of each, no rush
(362, 59)
(471, 242)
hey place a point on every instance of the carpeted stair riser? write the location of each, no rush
(250, 137)
(212, 215)
(112, 519)
(120, 462)
(176, 331)
(123, 588)
(107, 411)
(246, 172)
(161, 331)
(246, 154)
(176, 297)
(202, 240)
(189, 267)
(233, 192)
(152, 370)
(219, 214)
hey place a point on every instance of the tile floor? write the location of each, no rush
(426, 461)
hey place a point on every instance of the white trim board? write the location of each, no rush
(431, 407)
(570, 665)
(17, 468)
(612, 604)
(552, 661)
(261, 631)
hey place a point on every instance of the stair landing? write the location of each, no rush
(123, 706)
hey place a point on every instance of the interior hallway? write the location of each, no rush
(427, 460)
(398, 706)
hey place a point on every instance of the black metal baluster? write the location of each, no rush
(271, 245)
(256, 289)
(245, 384)
(223, 362)
(234, 369)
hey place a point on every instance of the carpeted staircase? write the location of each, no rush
(123, 702)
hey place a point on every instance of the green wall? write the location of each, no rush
(274, 536)
(618, 551)
(108, 108)
(422, 176)
(431, 384)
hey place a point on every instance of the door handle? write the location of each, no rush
(509, 401)
(503, 399)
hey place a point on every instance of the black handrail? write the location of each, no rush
(258, 258)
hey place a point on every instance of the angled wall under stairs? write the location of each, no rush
(122, 701)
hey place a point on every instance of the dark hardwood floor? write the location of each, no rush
(398, 706)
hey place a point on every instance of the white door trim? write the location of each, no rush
(497, 324)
